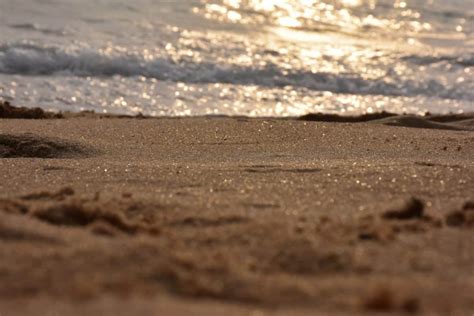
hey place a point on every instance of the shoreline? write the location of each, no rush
(10, 111)
(236, 215)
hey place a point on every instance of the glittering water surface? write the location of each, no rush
(238, 57)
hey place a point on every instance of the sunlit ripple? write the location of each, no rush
(151, 97)
(350, 16)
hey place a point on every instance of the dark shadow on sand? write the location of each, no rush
(31, 146)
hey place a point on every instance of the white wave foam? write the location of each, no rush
(34, 59)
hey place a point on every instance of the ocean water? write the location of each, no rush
(238, 57)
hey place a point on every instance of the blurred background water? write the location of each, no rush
(238, 57)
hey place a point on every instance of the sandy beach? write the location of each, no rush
(321, 215)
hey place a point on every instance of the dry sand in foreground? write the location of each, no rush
(237, 216)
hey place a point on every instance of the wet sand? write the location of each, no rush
(104, 215)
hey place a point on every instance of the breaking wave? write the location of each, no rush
(42, 60)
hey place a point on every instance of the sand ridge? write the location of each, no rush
(446, 122)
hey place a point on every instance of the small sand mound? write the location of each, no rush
(384, 300)
(30, 146)
(422, 122)
(465, 123)
(16, 234)
(448, 118)
(463, 217)
(60, 195)
(199, 222)
(61, 208)
(300, 257)
(77, 213)
(383, 233)
(380, 300)
(446, 122)
(413, 208)
(21, 231)
(13, 207)
(468, 206)
(12, 112)
(409, 218)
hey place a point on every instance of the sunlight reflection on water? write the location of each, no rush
(240, 57)
(345, 15)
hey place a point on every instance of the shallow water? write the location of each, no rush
(238, 57)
